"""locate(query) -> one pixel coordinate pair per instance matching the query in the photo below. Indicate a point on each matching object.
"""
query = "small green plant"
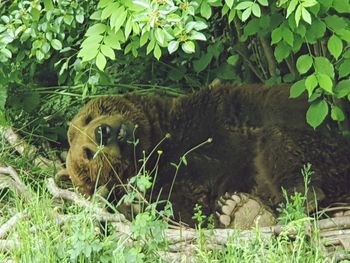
(183, 161)
(295, 206)
(86, 242)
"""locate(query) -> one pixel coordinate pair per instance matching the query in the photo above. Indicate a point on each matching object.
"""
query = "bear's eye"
(87, 120)
(88, 154)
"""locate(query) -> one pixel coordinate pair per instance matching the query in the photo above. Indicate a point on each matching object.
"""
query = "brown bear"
(258, 143)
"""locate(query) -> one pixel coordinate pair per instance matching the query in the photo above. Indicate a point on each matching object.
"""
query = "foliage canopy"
(82, 48)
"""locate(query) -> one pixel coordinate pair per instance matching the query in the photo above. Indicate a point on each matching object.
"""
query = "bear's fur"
(260, 142)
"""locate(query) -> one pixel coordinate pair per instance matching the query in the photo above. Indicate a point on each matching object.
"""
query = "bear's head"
(101, 138)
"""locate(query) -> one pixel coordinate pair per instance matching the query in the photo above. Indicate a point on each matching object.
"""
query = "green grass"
(84, 239)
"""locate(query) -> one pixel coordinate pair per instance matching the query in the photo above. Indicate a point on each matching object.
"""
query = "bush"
(83, 48)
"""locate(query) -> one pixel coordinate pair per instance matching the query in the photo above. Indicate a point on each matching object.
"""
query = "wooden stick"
(23, 147)
(101, 214)
(9, 178)
(10, 224)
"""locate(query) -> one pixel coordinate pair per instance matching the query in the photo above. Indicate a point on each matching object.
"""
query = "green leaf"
(205, 10)
(39, 55)
(344, 68)
(335, 46)
(150, 46)
(323, 65)
(92, 41)
(108, 52)
(291, 7)
(7, 53)
(335, 22)
(256, 10)
(157, 52)
(35, 13)
(232, 60)
(173, 46)
(246, 14)
(101, 61)
(342, 89)
(276, 35)
(142, 3)
(46, 47)
(337, 114)
(104, 3)
(297, 89)
(188, 47)
(231, 15)
(56, 44)
(96, 29)
(118, 18)
(325, 82)
(200, 25)
(96, 15)
(79, 18)
(202, 63)
(128, 27)
(347, 54)
(344, 34)
(341, 6)
(263, 2)
(297, 15)
(304, 63)
(311, 83)
(282, 51)
(48, 5)
(315, 31)
(159, 34)
(306, 15)
(88, 53)
(112, 42)
(136, 28)
(144, 38)
(244, 5)
(197, 36)
(108, 10)
(309, 3)
(316, 113)
(68, 19)
(287, 36)
(229, 3)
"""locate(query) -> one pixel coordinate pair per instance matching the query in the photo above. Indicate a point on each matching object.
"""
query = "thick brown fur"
(260, 143)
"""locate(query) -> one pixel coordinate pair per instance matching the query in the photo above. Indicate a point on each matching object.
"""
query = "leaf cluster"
(89, 47)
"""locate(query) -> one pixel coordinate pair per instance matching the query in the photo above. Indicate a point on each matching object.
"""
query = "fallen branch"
(10, 179)
(22, 147)
(10, 224)
(101, 214)
(8, 245)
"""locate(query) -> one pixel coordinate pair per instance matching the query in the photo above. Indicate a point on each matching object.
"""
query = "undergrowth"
(84, 239)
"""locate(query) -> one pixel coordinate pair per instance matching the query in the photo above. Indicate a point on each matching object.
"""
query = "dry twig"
(22, 147)
(10, 224)
(10, 179)
(102, 214)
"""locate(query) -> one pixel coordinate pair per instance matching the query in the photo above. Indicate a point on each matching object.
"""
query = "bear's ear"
(71, 133)
(62, 179)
